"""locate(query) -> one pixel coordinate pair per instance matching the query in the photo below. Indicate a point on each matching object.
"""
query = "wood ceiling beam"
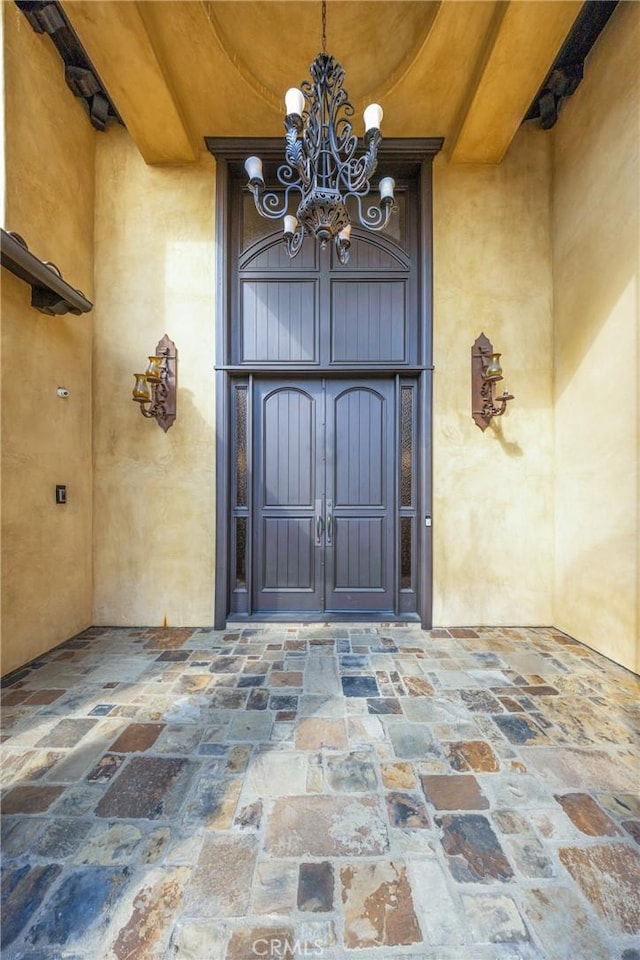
(117, 42)
(522, 44)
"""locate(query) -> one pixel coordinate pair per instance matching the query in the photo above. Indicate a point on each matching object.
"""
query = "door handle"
(329, 521)
(319, 523)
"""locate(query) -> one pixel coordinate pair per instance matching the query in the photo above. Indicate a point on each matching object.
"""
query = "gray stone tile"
(276, 773)
(275, 885)
(530, 857)
(254, 727)
(562, 924)
(319, 826)
(412, 740)
(494, 919)
(18, 833)
(438, 908)
(221, 882)
(61, 838)
(351, 773)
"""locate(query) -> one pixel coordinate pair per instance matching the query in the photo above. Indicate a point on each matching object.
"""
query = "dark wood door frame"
(412, 155)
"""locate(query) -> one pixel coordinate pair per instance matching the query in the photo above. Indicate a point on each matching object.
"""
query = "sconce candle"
(141, 390)
(493, 370)
(157, 387)
(155, 369)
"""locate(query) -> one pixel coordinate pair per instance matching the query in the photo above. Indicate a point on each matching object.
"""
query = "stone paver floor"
(342, 791)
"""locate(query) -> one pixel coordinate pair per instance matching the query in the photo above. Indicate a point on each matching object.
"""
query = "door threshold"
(302, 617)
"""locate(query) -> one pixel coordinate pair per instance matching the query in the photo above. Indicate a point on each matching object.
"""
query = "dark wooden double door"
(324, 497)
(323, 392)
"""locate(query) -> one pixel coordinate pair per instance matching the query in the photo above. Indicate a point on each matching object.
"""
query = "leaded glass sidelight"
(406, 524)
(407, 487)
(241, 445)
(406, 446)
(241, 553)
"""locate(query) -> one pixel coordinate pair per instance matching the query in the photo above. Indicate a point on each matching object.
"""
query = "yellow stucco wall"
(596, 248)
(46, 548)
(493, 506)
(153, 492)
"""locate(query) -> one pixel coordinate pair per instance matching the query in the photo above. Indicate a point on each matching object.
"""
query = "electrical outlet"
(61, 493)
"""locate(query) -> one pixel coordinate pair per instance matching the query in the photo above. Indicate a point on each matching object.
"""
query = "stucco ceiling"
(180, 70)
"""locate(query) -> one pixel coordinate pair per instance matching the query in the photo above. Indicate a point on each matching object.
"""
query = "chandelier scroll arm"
(357, 172)
(377, 216)
(271, 205)
(293, 241)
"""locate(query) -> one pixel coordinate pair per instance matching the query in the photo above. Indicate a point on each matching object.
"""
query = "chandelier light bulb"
(290, 224)
(387, 186)
(346, 233)
(372, 117)
(294, 102)
(253, 166)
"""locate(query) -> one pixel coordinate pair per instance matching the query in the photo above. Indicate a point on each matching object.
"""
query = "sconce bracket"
(164, 406)
(484, 403)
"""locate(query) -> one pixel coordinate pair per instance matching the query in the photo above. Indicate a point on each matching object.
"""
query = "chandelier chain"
(324, 26)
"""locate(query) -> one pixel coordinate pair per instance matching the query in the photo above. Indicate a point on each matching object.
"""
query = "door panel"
(278, 321)
(288, 569)
(288, 459)
(368, 321)
(359, 551)
(288, 553)
(360, 473)
(359, 442)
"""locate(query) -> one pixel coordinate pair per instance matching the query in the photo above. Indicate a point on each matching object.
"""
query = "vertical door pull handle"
(329, 521)
(319, 523)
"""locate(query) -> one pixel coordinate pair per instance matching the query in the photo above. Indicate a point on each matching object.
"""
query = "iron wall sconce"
(485, 373)
(157, 386)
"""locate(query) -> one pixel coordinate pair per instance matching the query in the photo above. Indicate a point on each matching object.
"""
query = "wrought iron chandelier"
(321, 163)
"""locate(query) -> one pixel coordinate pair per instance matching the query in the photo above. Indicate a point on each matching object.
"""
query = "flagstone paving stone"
(609, 877)
(339, 791)
(378, 907)
(472, 848)
(454, 792)
(588, 817)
